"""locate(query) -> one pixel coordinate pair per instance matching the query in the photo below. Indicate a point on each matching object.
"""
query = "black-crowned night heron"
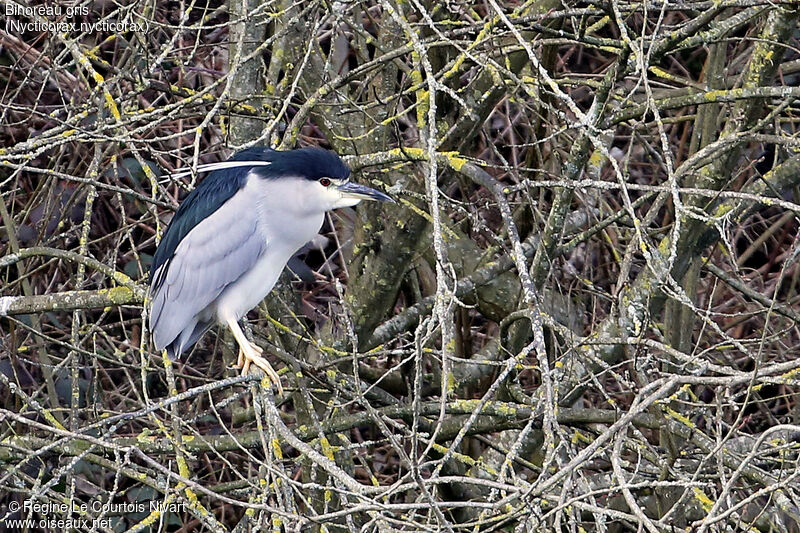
(233, 235)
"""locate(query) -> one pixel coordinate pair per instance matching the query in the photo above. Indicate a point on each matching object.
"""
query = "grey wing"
(214, 254)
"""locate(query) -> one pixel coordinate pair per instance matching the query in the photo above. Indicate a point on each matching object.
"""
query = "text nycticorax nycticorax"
(233, 235)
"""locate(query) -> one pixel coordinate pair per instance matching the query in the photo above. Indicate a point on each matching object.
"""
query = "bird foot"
(250, 354)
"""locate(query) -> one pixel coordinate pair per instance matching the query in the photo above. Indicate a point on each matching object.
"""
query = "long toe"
(239, 359)
(263, 364)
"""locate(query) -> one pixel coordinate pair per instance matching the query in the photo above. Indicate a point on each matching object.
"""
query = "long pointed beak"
(350, 189)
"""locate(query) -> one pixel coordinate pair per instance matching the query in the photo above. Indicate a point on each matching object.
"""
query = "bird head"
(331, 180)
(317, 177)
(307, 179)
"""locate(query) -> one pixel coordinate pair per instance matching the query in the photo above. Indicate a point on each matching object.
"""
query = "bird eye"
(325, 182)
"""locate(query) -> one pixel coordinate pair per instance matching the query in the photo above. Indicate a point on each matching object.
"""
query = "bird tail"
(187, 338)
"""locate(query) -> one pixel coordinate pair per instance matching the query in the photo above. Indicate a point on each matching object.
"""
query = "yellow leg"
(249, 354)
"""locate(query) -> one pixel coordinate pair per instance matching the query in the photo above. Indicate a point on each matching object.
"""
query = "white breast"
(286, 227)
